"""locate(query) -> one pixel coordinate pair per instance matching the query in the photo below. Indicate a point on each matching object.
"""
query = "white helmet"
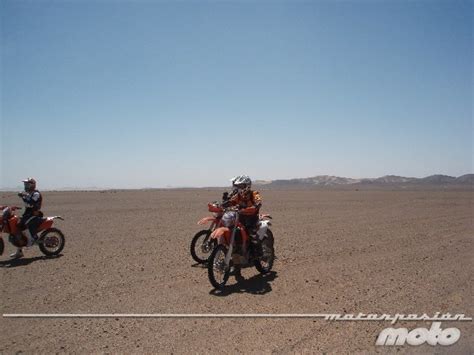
(241, 181)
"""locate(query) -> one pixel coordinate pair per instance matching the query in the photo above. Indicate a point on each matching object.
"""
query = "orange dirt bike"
(201, 244)
(233, 247)
(50, 240)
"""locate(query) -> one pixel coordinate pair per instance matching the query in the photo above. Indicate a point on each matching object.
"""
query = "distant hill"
(322, 180)
(393, 179)
(437, 179)
(383, 181)
(465, 179)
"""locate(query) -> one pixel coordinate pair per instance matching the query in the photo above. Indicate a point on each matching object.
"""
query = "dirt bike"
(50, 240)
(201, 244)
(235, 249)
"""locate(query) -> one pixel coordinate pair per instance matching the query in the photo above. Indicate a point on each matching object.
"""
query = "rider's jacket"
(33, 201)
(250, 203)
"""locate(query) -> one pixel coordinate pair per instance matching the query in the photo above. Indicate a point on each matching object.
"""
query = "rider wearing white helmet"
(32, 216)
(249, 202)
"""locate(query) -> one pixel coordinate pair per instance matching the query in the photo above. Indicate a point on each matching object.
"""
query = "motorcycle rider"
(249, 202)
(32, 216)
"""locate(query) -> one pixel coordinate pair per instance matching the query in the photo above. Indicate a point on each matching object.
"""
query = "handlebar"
(217, 207)
(13, 208)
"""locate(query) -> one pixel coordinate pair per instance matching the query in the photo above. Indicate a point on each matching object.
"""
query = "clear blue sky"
(140, 94)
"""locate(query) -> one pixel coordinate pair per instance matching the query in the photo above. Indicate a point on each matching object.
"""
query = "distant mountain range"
(387, 180)
(322, 181)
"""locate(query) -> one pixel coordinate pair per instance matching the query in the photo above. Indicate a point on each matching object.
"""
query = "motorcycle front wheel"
(51, 242)
(201, 246)
(218, 273)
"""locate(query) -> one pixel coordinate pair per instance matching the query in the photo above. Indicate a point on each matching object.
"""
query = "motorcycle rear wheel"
(51, 242)
(218, 274)
(264, 264)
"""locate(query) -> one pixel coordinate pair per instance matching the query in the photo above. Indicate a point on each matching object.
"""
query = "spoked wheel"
(265, 263)
(51, 242)
(218, 273)
(202, 246)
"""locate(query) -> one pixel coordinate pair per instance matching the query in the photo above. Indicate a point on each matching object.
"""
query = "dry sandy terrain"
(338, 252)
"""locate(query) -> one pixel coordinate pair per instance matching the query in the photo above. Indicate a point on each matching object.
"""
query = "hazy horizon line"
(170, 187)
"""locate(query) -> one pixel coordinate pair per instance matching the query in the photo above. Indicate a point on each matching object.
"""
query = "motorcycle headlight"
(228, 219)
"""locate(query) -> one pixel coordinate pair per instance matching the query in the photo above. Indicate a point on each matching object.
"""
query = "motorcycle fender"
(262, 229)
(48, 223)
(221, 234)
(206, 220)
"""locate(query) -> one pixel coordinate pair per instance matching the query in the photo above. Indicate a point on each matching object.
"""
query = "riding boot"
(31, 238)
(18, 254)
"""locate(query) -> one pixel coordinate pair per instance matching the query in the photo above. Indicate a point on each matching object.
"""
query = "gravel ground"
(337, 252)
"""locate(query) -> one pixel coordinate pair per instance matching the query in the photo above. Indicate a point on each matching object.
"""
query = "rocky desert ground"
(338, 251)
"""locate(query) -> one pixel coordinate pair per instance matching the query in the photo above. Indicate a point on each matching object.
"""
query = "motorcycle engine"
(18, 242)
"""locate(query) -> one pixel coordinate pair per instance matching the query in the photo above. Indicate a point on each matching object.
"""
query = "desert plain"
(338, 251)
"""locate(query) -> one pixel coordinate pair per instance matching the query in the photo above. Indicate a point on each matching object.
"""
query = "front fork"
(211, 229)
(228, 256)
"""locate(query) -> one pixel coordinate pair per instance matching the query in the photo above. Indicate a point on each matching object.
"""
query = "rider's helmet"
(30, 184)
(242, 183)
